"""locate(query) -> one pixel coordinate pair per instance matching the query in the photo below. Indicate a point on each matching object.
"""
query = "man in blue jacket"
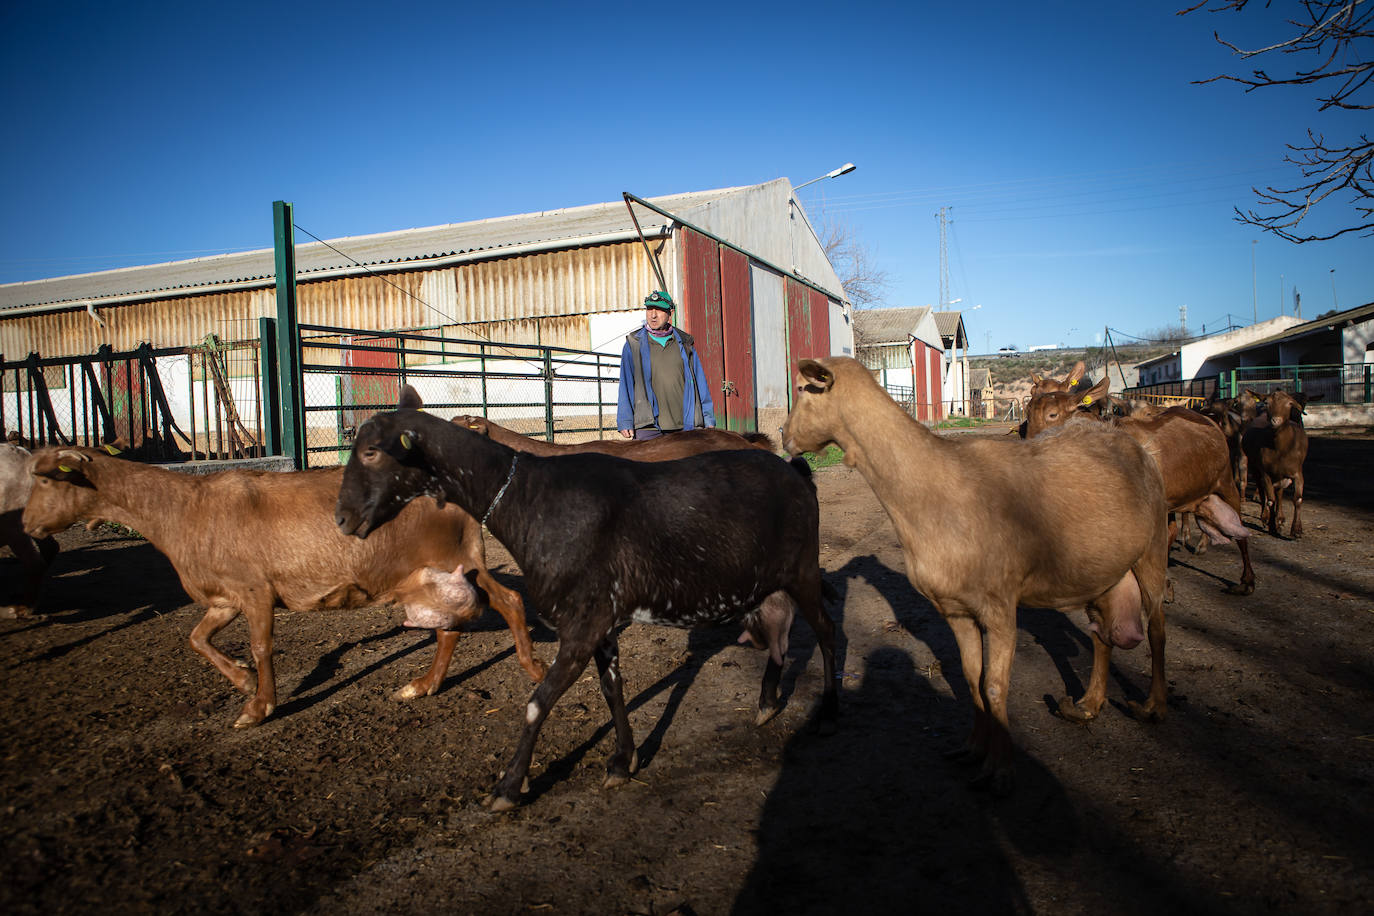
(662, 385)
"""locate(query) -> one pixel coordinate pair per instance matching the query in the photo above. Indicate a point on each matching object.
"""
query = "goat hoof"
(498, 803)
(1241, 588)
(412, 690)
(766, 713)
(1149, 711)
(1075, 712)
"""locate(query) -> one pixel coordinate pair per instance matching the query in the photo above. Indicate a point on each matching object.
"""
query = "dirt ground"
(125, 788)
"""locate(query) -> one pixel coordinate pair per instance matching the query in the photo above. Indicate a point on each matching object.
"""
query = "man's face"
(656, 319)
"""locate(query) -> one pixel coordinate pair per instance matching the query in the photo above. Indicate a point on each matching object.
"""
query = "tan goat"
(246, 542)
(1089, 531)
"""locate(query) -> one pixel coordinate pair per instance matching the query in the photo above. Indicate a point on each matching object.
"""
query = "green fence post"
(270, 421)
(292, 401)
(548, 394)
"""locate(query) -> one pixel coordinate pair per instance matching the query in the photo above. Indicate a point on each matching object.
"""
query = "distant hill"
(1011, 374)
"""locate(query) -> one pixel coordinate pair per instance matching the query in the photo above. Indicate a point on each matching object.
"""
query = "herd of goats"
(697, 528)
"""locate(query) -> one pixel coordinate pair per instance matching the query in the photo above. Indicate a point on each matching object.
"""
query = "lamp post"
(792, 203)
(833, 173)
(1333, 290)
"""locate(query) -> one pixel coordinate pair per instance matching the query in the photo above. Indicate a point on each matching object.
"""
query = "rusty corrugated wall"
(531, 298)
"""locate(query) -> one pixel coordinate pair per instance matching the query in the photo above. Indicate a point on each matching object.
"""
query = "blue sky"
(1090, 183)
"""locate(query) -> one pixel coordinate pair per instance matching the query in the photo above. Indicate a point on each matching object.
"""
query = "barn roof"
(563, 227)
(886, 327)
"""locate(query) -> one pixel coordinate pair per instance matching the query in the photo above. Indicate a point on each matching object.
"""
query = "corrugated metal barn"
(750, 275)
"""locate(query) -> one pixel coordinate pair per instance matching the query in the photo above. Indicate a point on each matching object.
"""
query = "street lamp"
(833, 173)
(1333, 290)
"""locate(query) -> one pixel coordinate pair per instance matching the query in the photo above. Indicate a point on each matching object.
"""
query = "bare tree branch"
(1339, 34)
(863, 283)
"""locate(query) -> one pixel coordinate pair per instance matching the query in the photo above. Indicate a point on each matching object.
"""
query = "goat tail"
(801, 467)
(762, 440)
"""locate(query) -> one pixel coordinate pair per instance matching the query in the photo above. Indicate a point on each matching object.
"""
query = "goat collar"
(501, 492)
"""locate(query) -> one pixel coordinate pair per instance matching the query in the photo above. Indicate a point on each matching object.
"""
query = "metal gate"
(551, 393)
(174, 404)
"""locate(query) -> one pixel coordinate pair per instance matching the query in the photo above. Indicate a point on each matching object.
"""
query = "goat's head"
(1282, 407)
(812, 422)
(64, 489)
(386, 469)
(1058, 407)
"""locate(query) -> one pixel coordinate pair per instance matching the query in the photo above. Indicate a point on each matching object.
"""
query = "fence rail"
(1334, 383)
(178, 403)
(553, 393)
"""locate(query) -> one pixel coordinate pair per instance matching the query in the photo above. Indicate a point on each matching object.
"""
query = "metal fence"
(1330, 384)
(177, 404)
(1334, 383)
(552, 393)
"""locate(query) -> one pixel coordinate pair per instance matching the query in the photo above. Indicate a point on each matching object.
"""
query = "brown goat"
(245, 542)
(33, 555)
(1275, 451)
(661, 448)
(1192, 457)
(978, 542)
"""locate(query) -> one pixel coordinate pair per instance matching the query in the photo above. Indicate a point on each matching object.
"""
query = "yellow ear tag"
(64, 469)
(1087, 399)
(406, 441)
(1073, 384)
(112, 450)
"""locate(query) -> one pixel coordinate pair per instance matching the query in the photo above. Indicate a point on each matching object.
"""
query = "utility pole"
(1280, 294)
(943, 217)
(1254, 289)
(1333, 290)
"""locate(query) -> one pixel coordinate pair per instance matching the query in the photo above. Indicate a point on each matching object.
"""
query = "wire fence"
(552, 393)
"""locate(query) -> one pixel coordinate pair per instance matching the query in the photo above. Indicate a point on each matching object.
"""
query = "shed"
(902, 347)
(753, 282)
(954, 338)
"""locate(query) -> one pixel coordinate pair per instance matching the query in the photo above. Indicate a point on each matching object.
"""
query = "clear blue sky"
(1090, 182)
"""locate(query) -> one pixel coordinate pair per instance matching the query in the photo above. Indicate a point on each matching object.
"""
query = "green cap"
(658, 299)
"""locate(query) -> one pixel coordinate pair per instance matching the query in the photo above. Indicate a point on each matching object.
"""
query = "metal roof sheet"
(568, 225)
(877, 327)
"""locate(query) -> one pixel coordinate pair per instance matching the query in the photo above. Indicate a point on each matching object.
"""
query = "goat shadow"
(879, 821)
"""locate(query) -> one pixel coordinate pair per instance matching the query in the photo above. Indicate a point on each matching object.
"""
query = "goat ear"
(1077, 374)
(818, 378)
(1097, 392)
(410, 399)
(62, 465)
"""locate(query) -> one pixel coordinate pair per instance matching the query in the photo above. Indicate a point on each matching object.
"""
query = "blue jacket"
(695, 390)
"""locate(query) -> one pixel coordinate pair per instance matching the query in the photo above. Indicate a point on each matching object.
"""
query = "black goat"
(604, 541)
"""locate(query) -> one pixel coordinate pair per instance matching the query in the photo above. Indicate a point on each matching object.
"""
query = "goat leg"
(1157, 704)
(1084, 710)
(512, 609)
(1296, 530)
(262, 703)
(625, 760)
(217, 616)
(996, 774)
(573, 655)
(969, 638)
(445, 641)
